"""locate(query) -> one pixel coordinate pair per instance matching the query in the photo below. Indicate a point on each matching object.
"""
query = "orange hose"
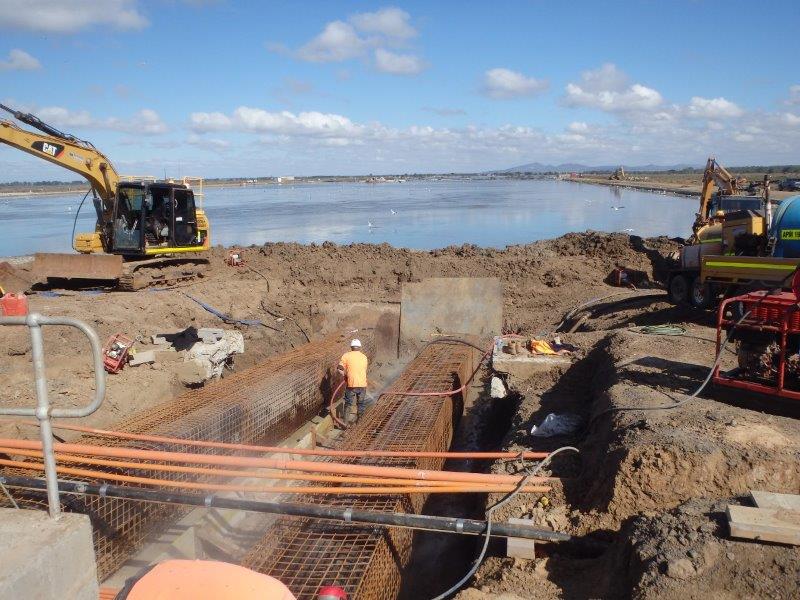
(220, 472)
(336, 491)
(283, 465)
(300, 451)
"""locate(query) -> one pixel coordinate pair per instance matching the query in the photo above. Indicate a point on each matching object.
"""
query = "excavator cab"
(155, 218)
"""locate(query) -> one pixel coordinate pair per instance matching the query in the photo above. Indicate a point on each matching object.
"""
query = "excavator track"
(158, 272)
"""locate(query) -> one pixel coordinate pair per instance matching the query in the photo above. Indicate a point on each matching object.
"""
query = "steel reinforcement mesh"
(368, 561)
(260, 405)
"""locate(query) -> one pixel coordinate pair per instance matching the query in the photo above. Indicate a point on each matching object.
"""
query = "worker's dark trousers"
(357, 395)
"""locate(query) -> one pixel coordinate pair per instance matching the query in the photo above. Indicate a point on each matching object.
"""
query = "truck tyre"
(678, 289)
(700, 294)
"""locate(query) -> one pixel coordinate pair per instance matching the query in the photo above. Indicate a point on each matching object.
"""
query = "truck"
(739, 242)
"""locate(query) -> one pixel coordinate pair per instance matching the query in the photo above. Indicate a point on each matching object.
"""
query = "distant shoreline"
(645, 186)
(677, 189)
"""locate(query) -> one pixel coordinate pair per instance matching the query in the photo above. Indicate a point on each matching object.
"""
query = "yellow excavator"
(147, 232)
(729, 223)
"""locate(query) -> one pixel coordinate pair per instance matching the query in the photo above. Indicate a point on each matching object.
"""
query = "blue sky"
(246, 88)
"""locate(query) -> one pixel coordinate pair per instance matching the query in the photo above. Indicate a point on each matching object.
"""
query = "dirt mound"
(685, 553)
(652, 483)
(295, 291)
(646, 459)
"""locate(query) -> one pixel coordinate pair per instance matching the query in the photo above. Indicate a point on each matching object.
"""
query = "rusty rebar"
(306, 554)
(260, 405)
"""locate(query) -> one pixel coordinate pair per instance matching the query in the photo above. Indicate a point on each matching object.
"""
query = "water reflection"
(420, 215)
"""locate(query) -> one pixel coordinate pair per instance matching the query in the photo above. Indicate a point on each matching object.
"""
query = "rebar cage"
(260, 405)
(368, 561)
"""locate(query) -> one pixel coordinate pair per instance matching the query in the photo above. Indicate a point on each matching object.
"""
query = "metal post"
(43, 415)
(43, 412)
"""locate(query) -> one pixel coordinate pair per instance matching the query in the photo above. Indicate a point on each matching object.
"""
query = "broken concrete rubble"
(211, 358)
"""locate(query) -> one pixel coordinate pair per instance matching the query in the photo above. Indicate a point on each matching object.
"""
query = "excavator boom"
(714, 176)
(140, 224)
(63, 150)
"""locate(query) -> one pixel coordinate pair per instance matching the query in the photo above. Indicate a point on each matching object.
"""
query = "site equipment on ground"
(767, 336)
(146, 231)
(736, 245)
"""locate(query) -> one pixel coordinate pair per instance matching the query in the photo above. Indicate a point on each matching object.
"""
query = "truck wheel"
(700, 294)
(678, 289)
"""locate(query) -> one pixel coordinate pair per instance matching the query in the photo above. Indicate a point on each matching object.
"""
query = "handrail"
(43, 412)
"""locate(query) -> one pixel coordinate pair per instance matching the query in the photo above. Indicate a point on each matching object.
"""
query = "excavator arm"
(714, 176)
(63, 150)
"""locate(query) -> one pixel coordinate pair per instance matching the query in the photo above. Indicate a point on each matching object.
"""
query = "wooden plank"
(773, 500)
(764, 524)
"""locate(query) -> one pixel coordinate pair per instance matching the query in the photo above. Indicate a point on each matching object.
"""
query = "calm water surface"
(421, 215)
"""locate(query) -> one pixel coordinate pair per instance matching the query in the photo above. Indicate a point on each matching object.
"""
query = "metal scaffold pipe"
(316, 511)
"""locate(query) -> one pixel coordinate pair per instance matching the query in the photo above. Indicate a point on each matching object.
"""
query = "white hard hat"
(355, 343)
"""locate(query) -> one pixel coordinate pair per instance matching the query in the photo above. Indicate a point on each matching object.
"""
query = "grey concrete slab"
(43, 559)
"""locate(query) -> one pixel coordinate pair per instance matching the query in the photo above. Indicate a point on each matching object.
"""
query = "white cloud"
(144, 122)
(606, 88)
(390, 22)
(791, 119)
(256, 120)
(337, 42)
(503, 83)
(214, 121)
(636, 97)
(794, 94)
(359, 35)
(578, 127)
(607, 77)
(58, 16)
(19, 60)
(397, 64)
(713, 108)
(208, 143)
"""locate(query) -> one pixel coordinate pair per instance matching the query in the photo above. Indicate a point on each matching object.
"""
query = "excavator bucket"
(106, 267)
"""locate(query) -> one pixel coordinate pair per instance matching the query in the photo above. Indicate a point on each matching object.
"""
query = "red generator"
(767, 343)
(115, 352)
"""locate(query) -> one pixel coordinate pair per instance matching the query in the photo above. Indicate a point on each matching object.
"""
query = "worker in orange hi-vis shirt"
(202, 580)
(353, 366)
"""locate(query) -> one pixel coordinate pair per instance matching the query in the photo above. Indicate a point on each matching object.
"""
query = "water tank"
(786, 228)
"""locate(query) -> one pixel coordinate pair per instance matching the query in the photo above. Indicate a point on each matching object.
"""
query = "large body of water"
(420, 215)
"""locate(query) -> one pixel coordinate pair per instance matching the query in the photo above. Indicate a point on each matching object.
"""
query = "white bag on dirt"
(498, 388)
(554, 424)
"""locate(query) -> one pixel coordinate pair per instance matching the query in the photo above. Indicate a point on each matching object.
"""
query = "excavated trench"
(439, 560)
(640, 472)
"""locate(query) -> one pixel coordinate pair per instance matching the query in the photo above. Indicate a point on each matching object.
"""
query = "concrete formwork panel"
(449, 305)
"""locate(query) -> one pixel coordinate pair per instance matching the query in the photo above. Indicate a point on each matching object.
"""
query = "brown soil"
(316, 288)
(652, 485)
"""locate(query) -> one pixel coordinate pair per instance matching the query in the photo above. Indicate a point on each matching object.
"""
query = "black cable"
(714, 366)
(574, 311)
(489, 511)
(454, 341)
(75, 222)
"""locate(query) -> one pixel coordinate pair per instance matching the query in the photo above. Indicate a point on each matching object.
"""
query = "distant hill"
(579, 168)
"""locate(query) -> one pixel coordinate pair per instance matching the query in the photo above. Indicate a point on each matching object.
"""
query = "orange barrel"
(14, 305)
